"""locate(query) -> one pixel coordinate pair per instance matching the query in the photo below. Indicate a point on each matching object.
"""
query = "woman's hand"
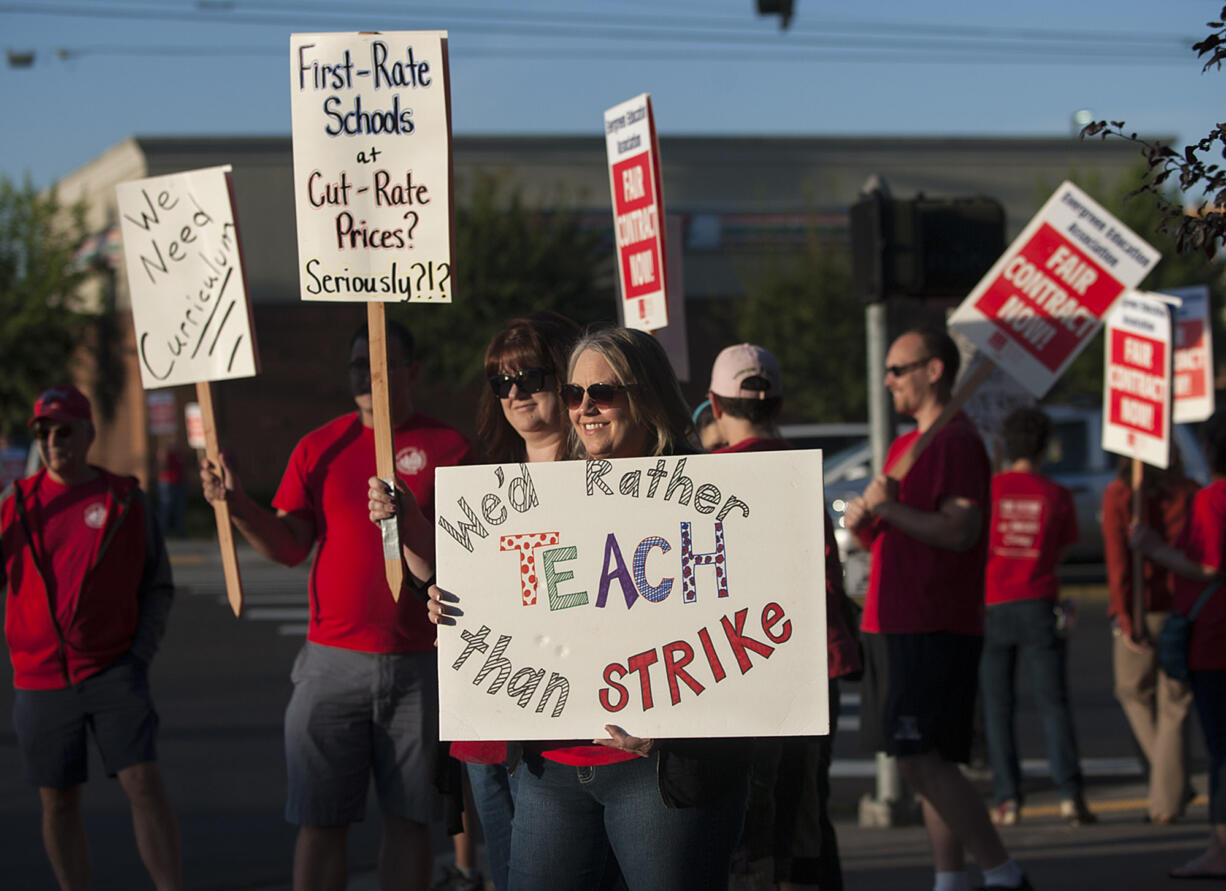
(1143, 539)
(620, 739)
(383, 502)
(443, 606)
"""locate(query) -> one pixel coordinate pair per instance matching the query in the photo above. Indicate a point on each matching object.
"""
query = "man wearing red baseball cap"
(89, 591)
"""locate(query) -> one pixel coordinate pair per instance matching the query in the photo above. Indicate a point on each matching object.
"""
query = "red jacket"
(1165, 510)
(123, 600)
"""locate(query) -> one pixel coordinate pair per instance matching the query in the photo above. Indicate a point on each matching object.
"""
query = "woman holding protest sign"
(669, 810)
(1198, 562)
(520, 417)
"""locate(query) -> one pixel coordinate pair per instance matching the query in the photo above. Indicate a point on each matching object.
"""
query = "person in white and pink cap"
(792, 775)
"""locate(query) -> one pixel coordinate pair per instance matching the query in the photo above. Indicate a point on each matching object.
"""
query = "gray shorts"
(51, 725)
(357, 715)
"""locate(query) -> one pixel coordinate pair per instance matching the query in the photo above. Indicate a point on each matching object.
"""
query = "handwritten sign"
(1044, 299)
(1194, 390)
(673, 596)
(1137, 380)
(638, 212)
(185, 277)
(372, 166)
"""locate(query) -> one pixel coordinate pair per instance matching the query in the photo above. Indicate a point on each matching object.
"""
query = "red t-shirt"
(326, 480)
(917, 588)
(67, 523)
(1204, 541)
(1165, 509)
(1033, 521)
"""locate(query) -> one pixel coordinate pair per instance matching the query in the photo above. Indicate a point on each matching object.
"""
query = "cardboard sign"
(1137, 380)
(1044, 299)
(185, 277)
(672, 596)
(638, 212)
(372, 166)
(193, 420)
(1194, 390)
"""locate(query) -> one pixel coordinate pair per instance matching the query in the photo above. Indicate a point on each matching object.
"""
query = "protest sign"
(672, 596)
(1136, 380)
(372, 166)
(1044, 299)
(189, 302)
(1194, 390)
(185, 278)
(638, 212)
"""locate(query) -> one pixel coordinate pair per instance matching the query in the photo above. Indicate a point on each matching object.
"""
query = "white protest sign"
(1044, 299)
(1194, 390)
(185, 277)
(372, 166)
(1137, 380)
(674, 597)
(638, 212)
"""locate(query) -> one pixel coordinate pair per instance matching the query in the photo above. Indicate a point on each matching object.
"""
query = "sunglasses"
(900, 370)
(527, 380)
(601, 394)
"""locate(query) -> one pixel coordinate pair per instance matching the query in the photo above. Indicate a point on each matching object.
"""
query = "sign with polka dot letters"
(674, 596)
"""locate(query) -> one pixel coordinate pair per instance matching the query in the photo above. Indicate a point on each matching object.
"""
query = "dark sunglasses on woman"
(528, 380)
(601, 394)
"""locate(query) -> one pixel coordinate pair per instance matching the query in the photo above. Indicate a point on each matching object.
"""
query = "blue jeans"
(494, 795)
(1027, 628)
(1209, 694)
(568, 818)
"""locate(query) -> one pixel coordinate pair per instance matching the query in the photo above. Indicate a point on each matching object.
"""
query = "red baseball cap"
(61, 403)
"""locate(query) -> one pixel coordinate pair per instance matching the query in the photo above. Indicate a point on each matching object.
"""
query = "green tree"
(510, 259)
(803, 312)
(39, 329)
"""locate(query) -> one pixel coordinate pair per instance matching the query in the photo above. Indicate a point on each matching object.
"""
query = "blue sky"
(103, 71)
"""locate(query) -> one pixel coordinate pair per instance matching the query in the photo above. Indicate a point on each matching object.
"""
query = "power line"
(895, 41)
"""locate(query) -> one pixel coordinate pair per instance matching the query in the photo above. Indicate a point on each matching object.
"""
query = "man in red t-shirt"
(89, 590)
(1033, 525)
(923, 615)
(365, 684)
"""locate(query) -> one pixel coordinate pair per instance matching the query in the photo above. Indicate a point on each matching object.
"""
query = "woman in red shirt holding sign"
(1199, 558)
(1033, 523)
(669, 810)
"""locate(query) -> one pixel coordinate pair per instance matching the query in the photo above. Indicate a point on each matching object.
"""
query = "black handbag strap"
(1205, 595)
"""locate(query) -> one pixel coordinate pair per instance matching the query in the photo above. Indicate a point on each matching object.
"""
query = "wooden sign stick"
(385, 453)
(979, 372)
(225, 531)
(1138, 561)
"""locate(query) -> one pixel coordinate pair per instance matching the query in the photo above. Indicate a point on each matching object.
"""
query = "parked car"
(1075, 458)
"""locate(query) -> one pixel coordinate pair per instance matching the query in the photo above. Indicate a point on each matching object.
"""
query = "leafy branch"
(1201, 224)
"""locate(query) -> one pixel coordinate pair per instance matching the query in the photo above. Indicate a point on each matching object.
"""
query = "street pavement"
(222, 684)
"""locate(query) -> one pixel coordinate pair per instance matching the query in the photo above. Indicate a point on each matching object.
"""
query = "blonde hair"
(654, 396)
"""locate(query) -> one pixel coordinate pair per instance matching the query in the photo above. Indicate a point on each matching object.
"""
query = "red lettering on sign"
(1049, 297)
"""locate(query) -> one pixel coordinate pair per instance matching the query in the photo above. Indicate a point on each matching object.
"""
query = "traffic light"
(781, 8)
(923, 247)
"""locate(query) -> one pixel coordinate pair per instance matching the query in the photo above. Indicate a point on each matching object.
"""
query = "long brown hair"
(538, 340)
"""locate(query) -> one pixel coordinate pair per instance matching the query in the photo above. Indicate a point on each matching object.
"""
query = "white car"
(1075, 459)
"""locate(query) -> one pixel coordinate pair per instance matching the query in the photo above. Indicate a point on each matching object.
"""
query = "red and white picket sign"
(1193, 355)
(1137, 380)
(1044, 299)
(638, 212)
